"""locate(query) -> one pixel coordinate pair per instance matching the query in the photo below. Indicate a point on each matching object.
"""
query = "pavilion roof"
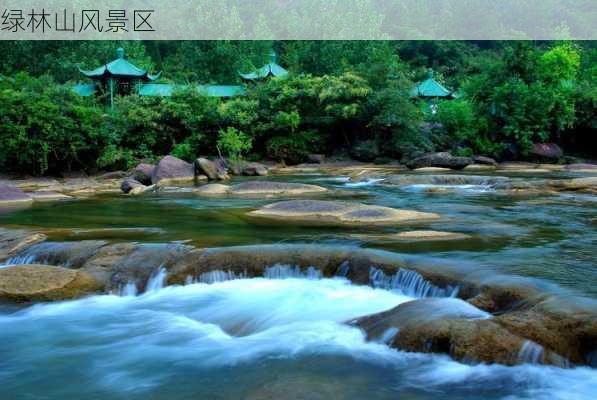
(431, 88)
(270, 69)
(120, 68)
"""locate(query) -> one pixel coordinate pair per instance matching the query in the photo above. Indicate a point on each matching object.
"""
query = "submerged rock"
(430, 236)
(339, 212)
(213, 189)
(23, 283)
(441, 160)
(171, 170)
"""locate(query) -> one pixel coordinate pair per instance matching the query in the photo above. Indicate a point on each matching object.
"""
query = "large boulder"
(549, 151)
(143, 173)
(213, 170)
(339, 213)
(172, 170)
(23, 283)
(454, 327)
(10, 195)
(439, 160)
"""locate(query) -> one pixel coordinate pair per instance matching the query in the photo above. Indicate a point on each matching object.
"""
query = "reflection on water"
(544, 236)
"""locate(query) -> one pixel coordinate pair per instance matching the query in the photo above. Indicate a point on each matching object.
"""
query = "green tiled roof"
(120, 68)
(164, 89)
(269, 69)
(431, 88)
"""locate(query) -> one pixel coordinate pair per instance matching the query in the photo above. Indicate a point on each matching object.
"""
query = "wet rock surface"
(499, 317)
(15, 241)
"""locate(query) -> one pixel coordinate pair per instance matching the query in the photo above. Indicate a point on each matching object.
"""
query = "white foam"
(131, 345)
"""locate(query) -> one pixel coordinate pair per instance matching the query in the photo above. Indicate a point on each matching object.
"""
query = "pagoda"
(118, 76)
(432, 89)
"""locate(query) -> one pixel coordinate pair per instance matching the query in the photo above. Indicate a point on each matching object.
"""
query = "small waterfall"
(157, 281)
(219, 276)
(531, 353)
(279, 271)
(24, 259)
(409, 282)
(130, 289)
(388, 335)
(343, 269)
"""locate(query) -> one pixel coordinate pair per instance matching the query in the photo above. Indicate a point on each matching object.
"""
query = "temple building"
(120, 77)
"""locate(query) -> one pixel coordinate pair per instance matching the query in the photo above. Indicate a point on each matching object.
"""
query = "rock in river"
(22, 283)
(10, 195)
(441, 160)
(143, 173)
(339, 212)
(213, 170)
(260, 189)
(172, 170)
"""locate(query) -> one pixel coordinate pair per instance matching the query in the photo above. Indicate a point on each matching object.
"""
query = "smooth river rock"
(340, 212)
(260, 189)
(11, 195)
(23, 283)
(171, 170)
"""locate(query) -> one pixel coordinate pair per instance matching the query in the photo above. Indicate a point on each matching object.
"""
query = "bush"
(233, 143)
(45, 127)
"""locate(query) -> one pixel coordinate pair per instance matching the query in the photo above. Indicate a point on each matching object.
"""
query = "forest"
(341, 98)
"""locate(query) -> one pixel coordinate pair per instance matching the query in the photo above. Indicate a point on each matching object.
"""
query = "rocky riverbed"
(487, 269)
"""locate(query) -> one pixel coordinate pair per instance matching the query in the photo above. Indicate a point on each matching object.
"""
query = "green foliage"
(527, 96)
(46, 127)
(340, 96)
(294, 148)
(234, 143)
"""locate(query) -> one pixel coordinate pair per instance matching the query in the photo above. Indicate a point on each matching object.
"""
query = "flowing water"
(223, 336)
(244, 339)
